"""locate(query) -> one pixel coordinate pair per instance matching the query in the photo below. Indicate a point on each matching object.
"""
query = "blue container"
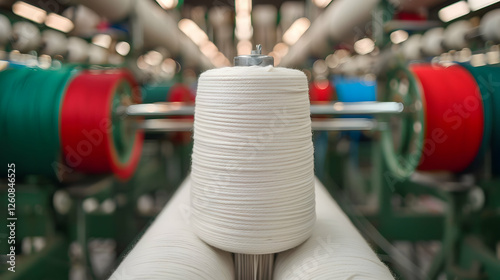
(354, 89)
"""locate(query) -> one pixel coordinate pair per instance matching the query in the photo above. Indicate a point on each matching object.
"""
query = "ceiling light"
(220, 60)
(169, 65)
(60, 23)
(276, 57)
(321, 3)
(454, 11)
(102, 40)
(332, 61)
(243, 6)
(122, 48)
(364, 46)
(244, 47)
(28, 11)
(193, 31)
(168, 4)
(209, 49)
(399, 36)
(296, 30)
(281, 49)
(153, 58)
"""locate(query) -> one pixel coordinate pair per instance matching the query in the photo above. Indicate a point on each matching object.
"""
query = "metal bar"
(357, 108)
(161, 126)
(161, 109)
(346, 125)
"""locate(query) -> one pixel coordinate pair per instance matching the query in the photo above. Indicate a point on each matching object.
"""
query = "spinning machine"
(361, 140)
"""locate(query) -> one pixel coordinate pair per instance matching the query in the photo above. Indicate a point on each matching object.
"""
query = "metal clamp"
(254, 59)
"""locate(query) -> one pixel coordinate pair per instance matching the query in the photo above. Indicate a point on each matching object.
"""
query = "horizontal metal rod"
(162, 109)
(166, 125)
(357, 108)
(158, 109)
(161, 126)
(347, 125)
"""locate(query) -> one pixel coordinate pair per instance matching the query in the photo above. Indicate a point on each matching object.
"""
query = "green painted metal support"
(52, 263)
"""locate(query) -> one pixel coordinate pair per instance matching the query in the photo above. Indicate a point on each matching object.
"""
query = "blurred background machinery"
(405, 105)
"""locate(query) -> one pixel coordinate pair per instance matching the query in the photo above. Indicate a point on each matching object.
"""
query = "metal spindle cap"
(256, 58)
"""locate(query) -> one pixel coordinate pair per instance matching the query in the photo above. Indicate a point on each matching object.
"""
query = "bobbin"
(412, 141)
(275, 209)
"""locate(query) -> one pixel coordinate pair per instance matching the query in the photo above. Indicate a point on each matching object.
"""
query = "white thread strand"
(335, 250)
(170, 250)
(253, 266)
(252, 163)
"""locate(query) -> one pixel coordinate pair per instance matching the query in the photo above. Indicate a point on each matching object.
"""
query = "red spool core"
(181, 93)
(321, 91)
(90, 132)
(454, 117)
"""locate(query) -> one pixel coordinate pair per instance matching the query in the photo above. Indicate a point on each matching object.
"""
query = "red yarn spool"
(454, 117)
(94, 139)
(181, 93)
(321, 91)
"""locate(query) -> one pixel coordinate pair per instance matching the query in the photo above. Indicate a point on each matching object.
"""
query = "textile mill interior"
(282, 139)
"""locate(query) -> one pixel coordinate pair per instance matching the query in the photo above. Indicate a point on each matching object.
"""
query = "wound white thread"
(411, 48)
(252, 164)
(170, 250)
(455, 33)
(5, 30)
(432, 41)
(27, 36)
(335, 250)
(489, 26)
(54, 42)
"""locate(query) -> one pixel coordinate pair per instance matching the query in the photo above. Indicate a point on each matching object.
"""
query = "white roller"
(159, 28)
(432, 41)
(54, 43)
(252, 162)
(411, 48)
(489, 27)
(191, 53)
(342, 15)
(335, 250)
(5, 30)
(454, 34)
(98, 55)
(26, 36)
(336, 22)
(170, 250)
(78, 50)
